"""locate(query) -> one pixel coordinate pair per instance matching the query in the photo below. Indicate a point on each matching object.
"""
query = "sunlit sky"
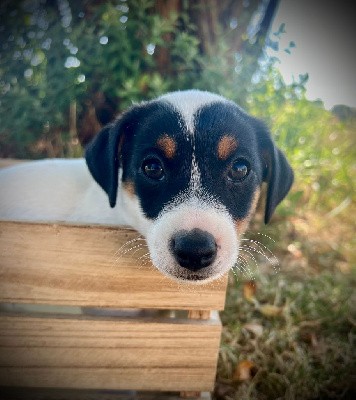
(325, 36)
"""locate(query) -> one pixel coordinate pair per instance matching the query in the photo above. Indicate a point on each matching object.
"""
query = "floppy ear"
(102, 159)
(279, 179)
(103, 153)
(278, 173)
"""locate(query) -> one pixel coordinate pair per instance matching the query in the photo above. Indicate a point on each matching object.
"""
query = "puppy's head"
(186, 169)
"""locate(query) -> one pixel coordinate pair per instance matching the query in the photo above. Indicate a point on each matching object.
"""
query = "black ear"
(278, 173)
(106, 151)
(103, 153)
(102, 157)
(279, 179)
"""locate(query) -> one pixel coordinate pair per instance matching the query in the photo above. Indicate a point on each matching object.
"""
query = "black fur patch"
(211, 124)
(135, 136)
(157, 120)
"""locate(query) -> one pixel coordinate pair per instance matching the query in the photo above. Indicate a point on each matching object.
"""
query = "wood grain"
(108, 353)
(59, 264)
(195, 315)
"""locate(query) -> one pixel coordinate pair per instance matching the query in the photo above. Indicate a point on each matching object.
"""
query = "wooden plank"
(79, 266)
(108, 353)
(73, 394)
(195, 315)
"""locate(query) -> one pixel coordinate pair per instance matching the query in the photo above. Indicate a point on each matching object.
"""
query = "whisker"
(131, 246)
(144, 260)
(257, 251)
(128, 243)
(243, 266)
(245, 272)
(264, 251)
(268, 237)
(136, 248)
(250, 254)
(261, 246)
(139, 248)
(146, 255)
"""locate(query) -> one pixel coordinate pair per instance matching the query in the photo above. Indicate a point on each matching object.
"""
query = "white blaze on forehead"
(188, 102)
(195, 176)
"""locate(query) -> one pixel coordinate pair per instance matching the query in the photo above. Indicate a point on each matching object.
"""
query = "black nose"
(194, 250)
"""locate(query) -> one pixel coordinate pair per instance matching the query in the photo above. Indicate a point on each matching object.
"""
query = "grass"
(290, 334)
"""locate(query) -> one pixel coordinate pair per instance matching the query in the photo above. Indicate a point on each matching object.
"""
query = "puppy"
(185, 170)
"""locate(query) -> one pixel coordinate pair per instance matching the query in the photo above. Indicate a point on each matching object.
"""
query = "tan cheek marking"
(242, 224)
(129, 188)
(167, 145)
(226, 146)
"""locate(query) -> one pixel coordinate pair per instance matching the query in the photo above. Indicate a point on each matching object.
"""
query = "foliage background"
(66, 68)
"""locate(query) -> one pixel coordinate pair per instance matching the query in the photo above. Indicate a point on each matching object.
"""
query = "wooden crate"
(66, 297)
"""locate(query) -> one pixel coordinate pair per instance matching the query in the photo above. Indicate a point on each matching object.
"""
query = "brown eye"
(153, 169)
(239, 169)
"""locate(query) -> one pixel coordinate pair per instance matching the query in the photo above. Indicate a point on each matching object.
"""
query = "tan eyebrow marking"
(167, 145)
(226, 146)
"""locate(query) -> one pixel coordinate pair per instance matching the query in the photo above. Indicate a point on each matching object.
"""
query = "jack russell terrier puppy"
(185, 170)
